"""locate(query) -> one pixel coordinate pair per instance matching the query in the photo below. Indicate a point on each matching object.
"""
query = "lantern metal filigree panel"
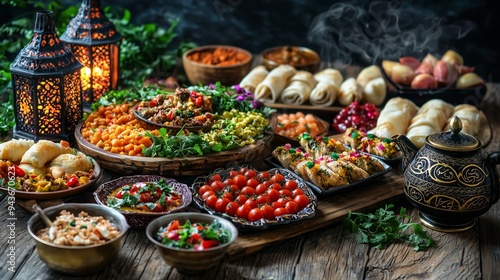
(94, 41)
(47, 86)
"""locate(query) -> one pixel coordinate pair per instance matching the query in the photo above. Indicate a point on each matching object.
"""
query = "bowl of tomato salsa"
(143, 198)
(191, 242)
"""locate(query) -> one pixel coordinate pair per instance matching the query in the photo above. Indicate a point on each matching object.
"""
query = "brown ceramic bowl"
(140, 220)
(78, 260)
(205, 74)
(185, 260)
(273, 57)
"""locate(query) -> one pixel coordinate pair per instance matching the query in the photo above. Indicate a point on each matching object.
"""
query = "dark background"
(349, 32)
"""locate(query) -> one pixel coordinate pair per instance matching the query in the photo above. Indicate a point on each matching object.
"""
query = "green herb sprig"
(383, 227)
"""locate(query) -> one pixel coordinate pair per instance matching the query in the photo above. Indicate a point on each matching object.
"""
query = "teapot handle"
(493, 159)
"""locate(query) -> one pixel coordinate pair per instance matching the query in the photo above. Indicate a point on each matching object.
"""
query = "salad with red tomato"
(251, 195)
(157, 196)
(195, 236)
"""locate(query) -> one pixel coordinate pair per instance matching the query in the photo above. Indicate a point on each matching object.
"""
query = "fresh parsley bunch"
(383, 227)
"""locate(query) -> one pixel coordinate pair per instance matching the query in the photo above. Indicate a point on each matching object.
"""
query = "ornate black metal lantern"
(94, 41)
(47, 86)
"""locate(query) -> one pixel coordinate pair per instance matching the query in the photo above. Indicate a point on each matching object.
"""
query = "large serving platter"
(58, 194)
(185, 166)
(244, 225)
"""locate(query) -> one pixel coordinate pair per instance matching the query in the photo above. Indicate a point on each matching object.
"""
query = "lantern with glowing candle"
(47, 86)
(94, 41)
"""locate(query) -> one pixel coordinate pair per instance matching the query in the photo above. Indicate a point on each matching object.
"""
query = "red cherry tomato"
(220, 204)
(240, 199)
(273, 194)
(278, 178)
(231, 208)
(250, 173)
(242, 211)
(277, 205)
(204, 188)
(297, 191)
(277, 186)
(217, 186)
(255, 215)
(262, 199)
(252, 183)
(207, 194)
(260, 189)
(291, 185)
(280, 212)
(229, 182)
(211, 201)
(301, 200)
(119, 194)
(264, 174)
(249, 191)
(227, 195)
(285, 193)
(267, 212)
(292, 207)
(240, 180)
(251, 203)
(242, 170)
(233, 173)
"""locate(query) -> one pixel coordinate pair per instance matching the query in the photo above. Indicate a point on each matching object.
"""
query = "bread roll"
(470, 117)
(375, 91)
(395, 117)
(299, 88)
(329, 75)
(326, 91)
(14, 149)
(72, 163)
(270, 88)
(367, 74)
(350, 91)
(43, 152)
(254, 78)
(430, 119)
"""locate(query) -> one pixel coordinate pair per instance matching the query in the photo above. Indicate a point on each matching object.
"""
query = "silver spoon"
(46, 220)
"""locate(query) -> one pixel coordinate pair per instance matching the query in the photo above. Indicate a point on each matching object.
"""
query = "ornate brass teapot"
(451, 179)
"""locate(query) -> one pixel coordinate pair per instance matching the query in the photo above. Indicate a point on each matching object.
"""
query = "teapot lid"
(453, 140)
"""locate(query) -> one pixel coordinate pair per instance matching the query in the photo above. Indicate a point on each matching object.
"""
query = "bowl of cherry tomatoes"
(253, 199)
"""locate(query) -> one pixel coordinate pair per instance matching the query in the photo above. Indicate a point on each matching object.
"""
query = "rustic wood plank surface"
(329, 252)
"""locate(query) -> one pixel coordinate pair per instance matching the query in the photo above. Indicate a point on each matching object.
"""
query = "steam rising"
(382, 31)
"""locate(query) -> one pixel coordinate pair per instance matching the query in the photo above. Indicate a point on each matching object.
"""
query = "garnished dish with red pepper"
(44, 166)
(184, 107)
(193, 236)
(370, 143)
(157, 196)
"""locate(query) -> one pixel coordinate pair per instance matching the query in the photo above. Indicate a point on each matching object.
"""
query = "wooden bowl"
(206, 74)
(182, 166)
(312, 58)
(150, 125)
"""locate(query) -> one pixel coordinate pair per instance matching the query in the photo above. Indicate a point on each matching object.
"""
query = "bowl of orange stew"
(143, 198)
(299, 57)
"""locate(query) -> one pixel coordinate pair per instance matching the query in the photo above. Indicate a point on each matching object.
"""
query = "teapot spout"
(408, 149)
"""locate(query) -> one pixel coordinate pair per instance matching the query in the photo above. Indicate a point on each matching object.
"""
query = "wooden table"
(326, 253)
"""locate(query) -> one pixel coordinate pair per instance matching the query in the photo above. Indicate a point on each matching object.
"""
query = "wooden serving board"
(333, 209)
